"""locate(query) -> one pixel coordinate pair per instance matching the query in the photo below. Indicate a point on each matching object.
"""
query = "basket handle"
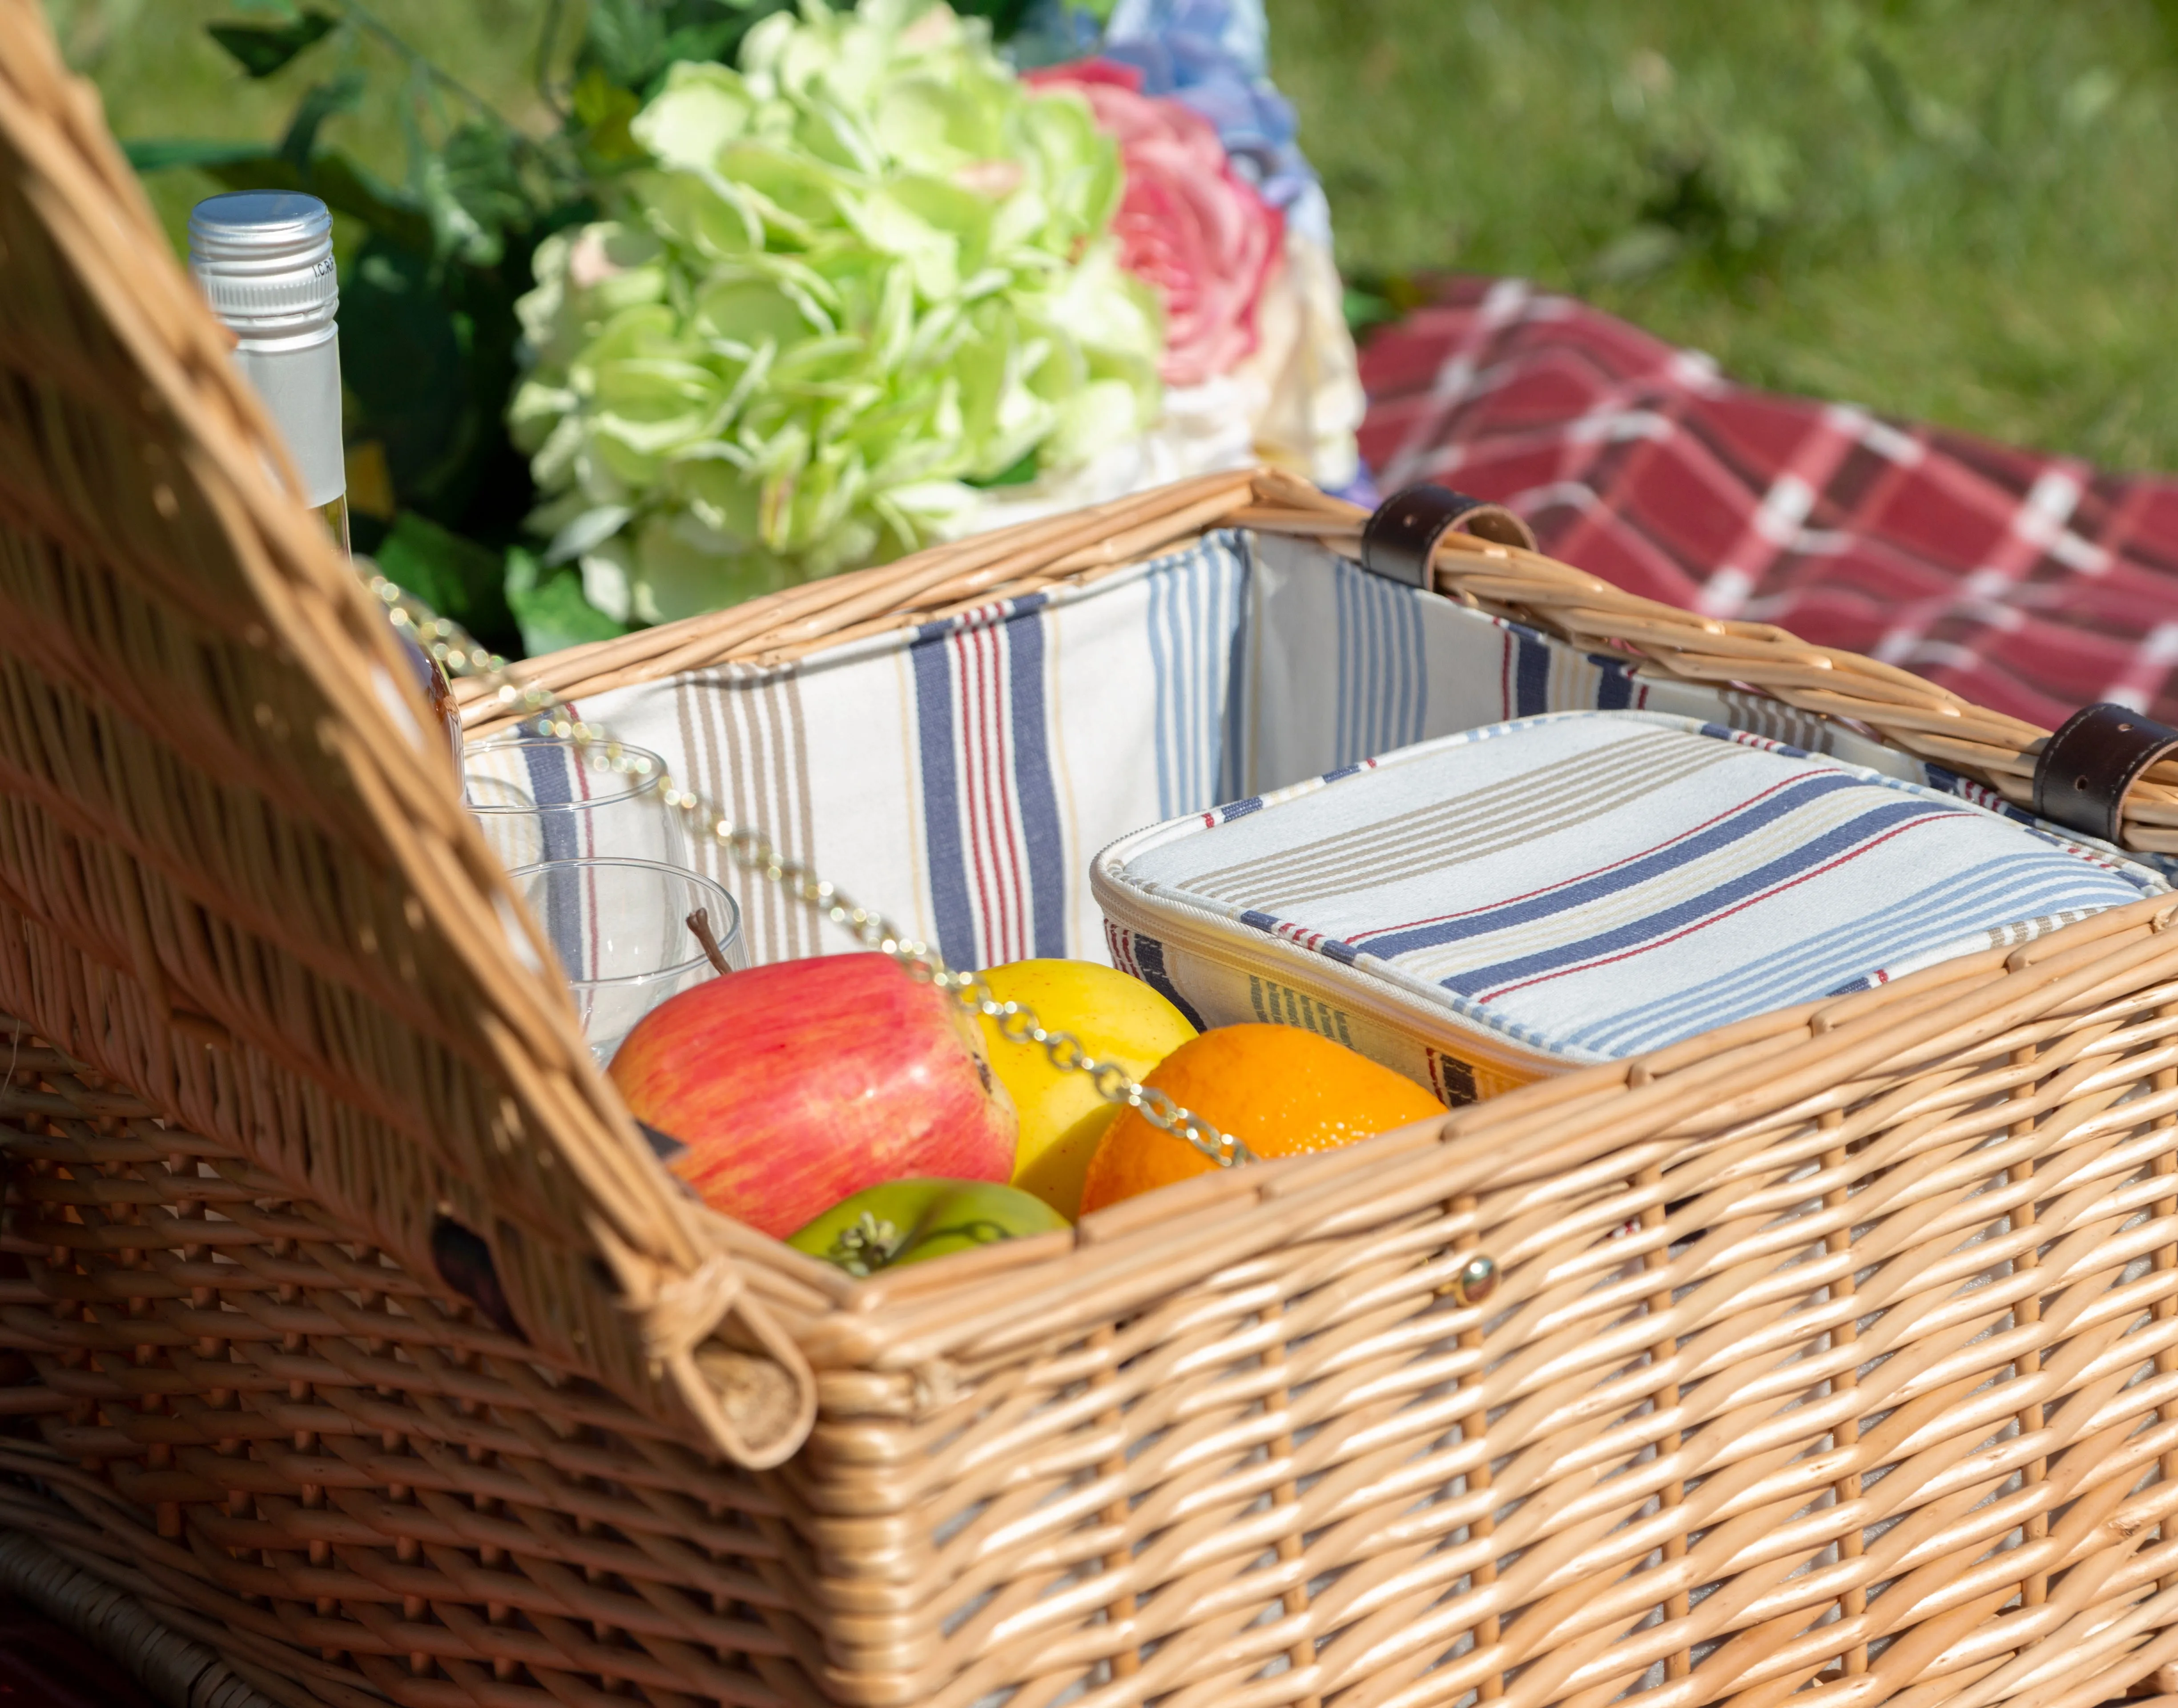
(2084, 771)
(1399, 541)
(711, 1340)
(758, 1406)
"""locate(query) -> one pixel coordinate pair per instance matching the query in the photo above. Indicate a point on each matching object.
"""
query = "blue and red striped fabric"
(989, 810)
(963, 774)
(1593, 884)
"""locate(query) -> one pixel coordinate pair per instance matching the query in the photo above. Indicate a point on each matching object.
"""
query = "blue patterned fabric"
(1195, 630)
(1383, 674)
(963, 774)
(989, 811)
(1590, 885)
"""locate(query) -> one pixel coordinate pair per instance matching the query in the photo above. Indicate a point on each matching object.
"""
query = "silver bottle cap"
(264, 259)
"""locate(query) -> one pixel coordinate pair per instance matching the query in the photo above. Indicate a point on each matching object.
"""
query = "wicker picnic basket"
(1833, 1353)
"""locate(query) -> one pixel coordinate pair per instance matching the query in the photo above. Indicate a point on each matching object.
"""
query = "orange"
(1283, 1091)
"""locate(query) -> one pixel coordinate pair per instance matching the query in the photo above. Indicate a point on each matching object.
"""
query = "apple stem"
(699, 927)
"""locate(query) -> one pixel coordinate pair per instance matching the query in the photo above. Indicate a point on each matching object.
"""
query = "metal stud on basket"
(1477, 1279)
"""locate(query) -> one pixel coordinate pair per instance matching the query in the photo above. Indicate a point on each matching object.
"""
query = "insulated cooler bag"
(1481, 910)
(349, 1330)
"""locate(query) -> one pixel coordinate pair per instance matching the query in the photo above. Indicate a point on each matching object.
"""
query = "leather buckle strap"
(2087, 768)
(1399, 541)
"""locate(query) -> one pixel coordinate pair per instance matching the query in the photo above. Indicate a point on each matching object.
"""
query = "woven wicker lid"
(313, 958)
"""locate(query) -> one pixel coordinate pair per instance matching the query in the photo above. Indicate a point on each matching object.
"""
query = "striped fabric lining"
(1596, 884)
(741, 737)
(959, 775)
(1919, 931)
(557, 779)
(1944, 781)
(1452, 832)
(1197, 637)
(1143, 958)
(1382, 697)
(990, 814)
(1779, 837)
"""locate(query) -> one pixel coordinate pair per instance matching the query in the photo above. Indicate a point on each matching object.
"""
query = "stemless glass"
(541, 799)
(622, 931)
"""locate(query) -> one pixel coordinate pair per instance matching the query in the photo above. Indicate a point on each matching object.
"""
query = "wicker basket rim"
(1891, 704)
(1779, 1068)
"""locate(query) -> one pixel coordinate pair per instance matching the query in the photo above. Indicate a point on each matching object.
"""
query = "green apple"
(913, 1221)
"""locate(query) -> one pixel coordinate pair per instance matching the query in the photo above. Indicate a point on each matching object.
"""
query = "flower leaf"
(334, 177)
(454, 576)
(320, 102)
(401, 362)
(626, 39)
(166, 153)
(261, 49)
(549, 607)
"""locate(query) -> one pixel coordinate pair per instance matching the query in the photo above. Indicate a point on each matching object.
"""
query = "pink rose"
(1187, 225)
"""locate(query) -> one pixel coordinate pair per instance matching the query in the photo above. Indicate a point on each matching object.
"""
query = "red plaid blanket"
(2033, 585)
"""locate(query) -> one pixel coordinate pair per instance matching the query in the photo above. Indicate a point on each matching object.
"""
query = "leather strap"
(2086, 768)
(1400, 539)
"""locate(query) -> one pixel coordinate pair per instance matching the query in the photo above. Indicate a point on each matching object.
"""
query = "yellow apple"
(1117, 1019)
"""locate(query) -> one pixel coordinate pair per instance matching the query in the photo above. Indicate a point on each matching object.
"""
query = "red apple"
(799, 1084)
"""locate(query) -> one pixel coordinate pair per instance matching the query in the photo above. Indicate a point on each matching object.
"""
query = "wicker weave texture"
(284, 1444)
(172, 1668)
(231, 873)
(1841, 1353)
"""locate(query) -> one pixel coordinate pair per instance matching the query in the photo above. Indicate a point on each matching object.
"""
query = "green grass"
(1961, 210)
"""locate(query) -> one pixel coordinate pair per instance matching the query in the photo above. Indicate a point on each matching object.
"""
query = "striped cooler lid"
(1589, 885)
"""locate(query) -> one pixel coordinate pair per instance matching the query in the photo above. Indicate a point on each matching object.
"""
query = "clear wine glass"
(541, 799)
(629, 934)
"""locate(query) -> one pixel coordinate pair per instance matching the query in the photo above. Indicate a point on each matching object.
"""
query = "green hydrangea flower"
(862, 275)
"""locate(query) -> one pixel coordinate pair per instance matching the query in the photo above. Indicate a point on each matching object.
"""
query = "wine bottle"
(264, 259)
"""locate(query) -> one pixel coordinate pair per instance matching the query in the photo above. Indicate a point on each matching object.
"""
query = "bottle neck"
(336, 519)
(298, 375)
